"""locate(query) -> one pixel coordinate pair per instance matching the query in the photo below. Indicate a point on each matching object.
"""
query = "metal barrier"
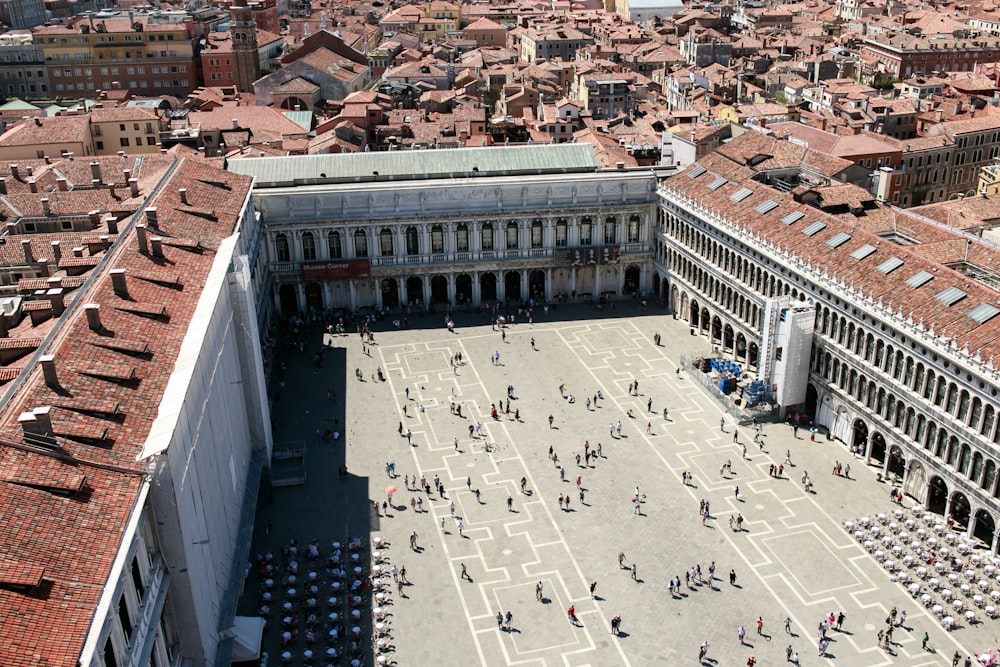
(743, 417)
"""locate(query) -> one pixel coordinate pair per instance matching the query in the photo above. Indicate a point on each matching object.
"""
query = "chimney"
(55, 297)
(140, 234)
(157, 243)
(31, 170)
(105, 242)
(29, 257)
(45, 205)
(78, 251)
(236, 124)
(3, 326)
(49, 370)
(13, 172)
(95, 171)
(94, 218)
(93, 311)
(43, 267)
(118, 282)
(112, 224)
(184, 195)
(56, 252)
(128, 174)
(36, 422)
(3, 185)
(133, 185)
(62, 185)
(151, 216)
(32, 185)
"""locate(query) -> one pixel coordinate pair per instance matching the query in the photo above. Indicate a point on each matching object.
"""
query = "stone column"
(351, 288)
(996, 543)
(378, 292)
(572, 281)
(972, 522)
(475, 236)
(597, 282)
(525, 287)
(327, 288)
(451, 289)
(300, 296)
(476, 295)
(401, 291)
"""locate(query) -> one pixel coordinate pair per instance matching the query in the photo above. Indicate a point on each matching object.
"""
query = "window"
(437, 239)
(537, 232)
(123, 141)
(100, 145)
(586, 231)
(562, 228)
(412, 241)
(610, 230)
(633, 229)
(97, 130)
(334, 246)
(486, 236)
(281, 248)
(511, 237)
(140, 588)
(150, 141)
(360, 244)
(308, 246)
(462, 237)
(385, 242)
(125, 618)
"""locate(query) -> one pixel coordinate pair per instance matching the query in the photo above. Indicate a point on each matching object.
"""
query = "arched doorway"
(985, 527)
(728, 339)
(878, 448)
(488, 287)
(463, 288)
(314, 297)
(716, 336)
(859, 441)
(705, 320)
(937, 495)
(753, 352)
(390, 293)
(960, 509)
(512, 286)
(916, 480)
(289, 299)
(536, 284)
(897, 464)
(741, 347)
(695, 315)
(812, 400)
(631, 279)
(656, 285)
(415, 290)
(439, 289)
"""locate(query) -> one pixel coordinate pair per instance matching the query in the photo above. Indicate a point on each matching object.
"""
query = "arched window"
(437, 239)
(360, 243)
(610, 230)
(412, 241)
(385, 242)
(462, 237)
(586, 231)
(333, 245)
(511, 238)
(634, 227)
(486, 236)
(281, 248)
(562, 231)
(308, 246)
(537, 233)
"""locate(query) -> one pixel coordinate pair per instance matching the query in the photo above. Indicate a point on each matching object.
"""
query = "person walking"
(741, 634)
(538, 591)
(465, 573)
(732, 577)
(508, 620)
(703, 651)
(621, 559)
(760, 625)
(500, 620)
(593, 587)
(413, 540)
(633, 573)
(923, 641)
(510, 504)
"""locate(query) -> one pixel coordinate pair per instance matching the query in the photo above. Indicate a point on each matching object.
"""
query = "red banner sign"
(336, 269)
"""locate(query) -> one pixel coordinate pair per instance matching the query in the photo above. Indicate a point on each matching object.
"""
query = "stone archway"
(536, 284)
(961, 510)
(288, 299)
(415, 290)
(937, 495)
(488, 287)
(716, 335)
(512, 286)
(753, 355)
(740, 351)
(859, 441)
(390, 292)
(695, 316)
(915, 482)
(439, 289)
(985, 527)
(878, 451)
(631, 279)
(705, 320)
(463, 288)
(314, 297)
(728, 339)
(897, 464)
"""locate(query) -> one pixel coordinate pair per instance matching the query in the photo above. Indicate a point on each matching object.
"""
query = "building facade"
(22, 67)
(903, 361)
(395, 239)
(246, 60)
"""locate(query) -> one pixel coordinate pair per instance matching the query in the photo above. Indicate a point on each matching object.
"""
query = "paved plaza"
(792, 557)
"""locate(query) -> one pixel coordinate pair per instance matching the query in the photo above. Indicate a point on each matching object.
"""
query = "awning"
(247, 631)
